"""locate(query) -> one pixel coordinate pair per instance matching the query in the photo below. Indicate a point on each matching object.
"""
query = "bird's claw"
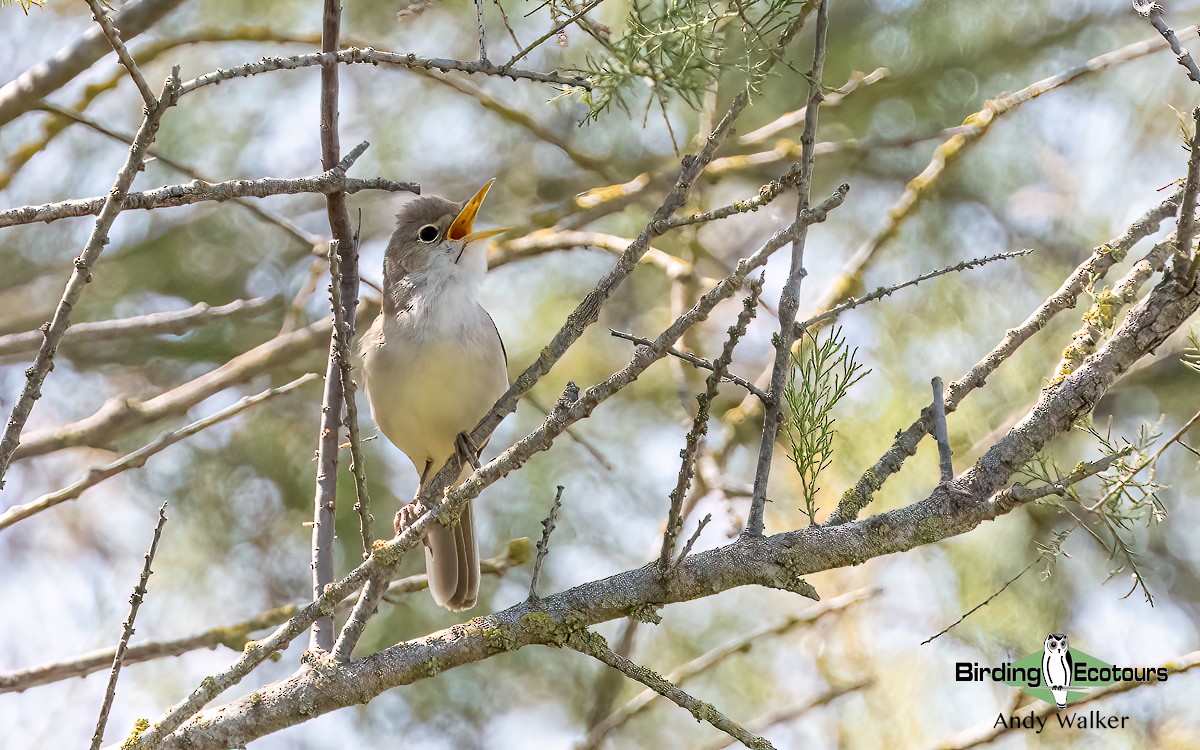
(405, 517)
(467, 450)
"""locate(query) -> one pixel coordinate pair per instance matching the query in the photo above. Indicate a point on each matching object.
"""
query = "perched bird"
(433, 364)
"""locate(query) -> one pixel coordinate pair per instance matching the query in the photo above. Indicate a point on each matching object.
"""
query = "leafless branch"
(355, 55)
(978, 125)
(344, 299)
(982, 604)
(543, 546)
(138, 458)
(697, 361)
(856, 81)
(81, 276)
(1153, 12)
(789, 298)
(175, 322)
(194, 192)
(833, 312)
(696, 435)
(556, 29)
(691, 542)
(594, 646)
(1185, 228)
(796, 710)
(114, 38)
(135, 602)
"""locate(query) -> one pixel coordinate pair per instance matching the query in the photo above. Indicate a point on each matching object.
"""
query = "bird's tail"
(452, 562)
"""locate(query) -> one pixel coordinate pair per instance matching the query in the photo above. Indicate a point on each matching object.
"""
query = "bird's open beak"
(460, 229)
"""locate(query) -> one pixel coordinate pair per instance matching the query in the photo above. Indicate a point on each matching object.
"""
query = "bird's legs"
(467, 451)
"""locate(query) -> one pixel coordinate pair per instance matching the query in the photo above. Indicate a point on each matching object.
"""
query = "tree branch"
(789, 298)
(81, 276)
(594, 646)
(114, 38)
(175, 322)
(196, 191)
(135, 603)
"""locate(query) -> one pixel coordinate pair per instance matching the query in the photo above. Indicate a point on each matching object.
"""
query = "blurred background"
(1060, 175)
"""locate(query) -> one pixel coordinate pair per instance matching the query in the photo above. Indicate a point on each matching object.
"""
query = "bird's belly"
(423, 396)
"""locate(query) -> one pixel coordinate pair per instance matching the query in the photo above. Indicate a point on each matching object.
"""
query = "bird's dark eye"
(428, 233)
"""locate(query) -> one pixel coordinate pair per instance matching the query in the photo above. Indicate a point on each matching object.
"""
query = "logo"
(1058, 675)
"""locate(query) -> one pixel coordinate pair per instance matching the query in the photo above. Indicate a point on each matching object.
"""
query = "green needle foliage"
(681, 47)
(823, 370)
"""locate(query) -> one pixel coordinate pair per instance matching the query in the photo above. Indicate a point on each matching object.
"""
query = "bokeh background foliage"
(1060, 174)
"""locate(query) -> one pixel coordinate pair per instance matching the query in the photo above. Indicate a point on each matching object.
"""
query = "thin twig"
(556, 29)
(856, 81)
(697, 361)
(796, 710)
(138, 458)
(543, 545)
(945, 457)
(710, 659)
(789, 299)
(356, 55)
(274, 218)
(81, 276)
(699, 429)
(833, 312)
(1153, 12)
(114, 38)
(174, 322)
(954, 148)
(196, 191)
(594, 646)
(483, 55)
(135, 602)
(691, 542)
(982, 604)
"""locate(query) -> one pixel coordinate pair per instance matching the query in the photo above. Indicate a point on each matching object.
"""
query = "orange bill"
(465, 221)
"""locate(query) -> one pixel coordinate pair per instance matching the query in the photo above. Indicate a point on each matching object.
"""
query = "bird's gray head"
(429, 247)
(1056, 643)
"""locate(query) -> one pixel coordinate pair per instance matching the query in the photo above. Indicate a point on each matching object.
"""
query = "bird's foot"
(405, 516)
(467, 450)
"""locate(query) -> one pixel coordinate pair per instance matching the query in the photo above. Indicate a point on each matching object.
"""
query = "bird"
(433, 364)
(1057, 666)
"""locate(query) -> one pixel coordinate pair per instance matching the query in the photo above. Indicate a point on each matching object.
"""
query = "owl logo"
(1057, 667)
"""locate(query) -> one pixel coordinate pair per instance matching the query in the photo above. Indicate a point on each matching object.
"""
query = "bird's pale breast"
(423, 392)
